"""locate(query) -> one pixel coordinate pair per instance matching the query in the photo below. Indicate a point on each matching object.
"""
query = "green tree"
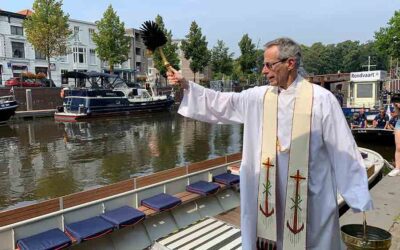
(388, 38)
(195, 49)
(378, 57)
(112, 45)
(47, 29)
(221, 59)
(314, 58)
(170, 50)
(248, 57)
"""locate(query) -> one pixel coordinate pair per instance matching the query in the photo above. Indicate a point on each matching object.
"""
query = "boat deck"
(207, 234)
(232, 217)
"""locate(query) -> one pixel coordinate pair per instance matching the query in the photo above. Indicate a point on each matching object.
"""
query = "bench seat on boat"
(161, 202)
(89, 229)
(123, 216)
(51, 239)
(203, 188)
(227, 179)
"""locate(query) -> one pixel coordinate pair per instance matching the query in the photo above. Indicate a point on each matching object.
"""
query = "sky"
(305, 21)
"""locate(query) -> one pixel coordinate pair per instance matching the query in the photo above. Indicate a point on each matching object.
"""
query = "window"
(364, 90)
(76, 33)
(18, 50)
(91, 32)
(92, 56)
(64, 79)
(39, 56)
(79, 55)
(137, 37)
(15, 30)
(138, 52)
(138, 67)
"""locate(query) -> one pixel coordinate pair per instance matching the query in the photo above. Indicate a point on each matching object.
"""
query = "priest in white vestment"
(335, 164)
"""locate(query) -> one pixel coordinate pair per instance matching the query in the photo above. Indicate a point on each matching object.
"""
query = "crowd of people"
(381, 120)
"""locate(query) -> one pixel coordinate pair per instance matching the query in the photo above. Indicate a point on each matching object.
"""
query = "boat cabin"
(365, 88)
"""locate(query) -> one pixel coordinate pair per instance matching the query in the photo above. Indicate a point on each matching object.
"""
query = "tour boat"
(377, 135)
(110, 99)
(194, 206)
(8, 105)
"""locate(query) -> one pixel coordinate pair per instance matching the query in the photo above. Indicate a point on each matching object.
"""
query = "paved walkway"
(386, 215)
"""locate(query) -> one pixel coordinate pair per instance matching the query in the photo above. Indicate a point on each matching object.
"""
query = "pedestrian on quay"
(396, 170)
(298, 151)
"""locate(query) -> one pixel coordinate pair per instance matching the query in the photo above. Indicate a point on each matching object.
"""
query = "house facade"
(17, 55)
(138, 59)
(184, 66)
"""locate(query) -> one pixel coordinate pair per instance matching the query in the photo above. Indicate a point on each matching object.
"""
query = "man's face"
(275, 69)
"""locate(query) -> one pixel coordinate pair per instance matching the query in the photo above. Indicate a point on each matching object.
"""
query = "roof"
(26, 12)
(11, 14)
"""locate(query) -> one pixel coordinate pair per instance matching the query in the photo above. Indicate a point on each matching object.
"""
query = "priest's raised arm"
(207, 105)
(213, 106)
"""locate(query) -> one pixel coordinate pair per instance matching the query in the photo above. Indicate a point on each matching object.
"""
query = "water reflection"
(42, 159)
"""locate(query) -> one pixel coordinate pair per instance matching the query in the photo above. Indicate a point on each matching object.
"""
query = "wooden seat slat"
(147, 211)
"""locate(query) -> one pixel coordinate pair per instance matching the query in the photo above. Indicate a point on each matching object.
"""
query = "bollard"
(28, 99)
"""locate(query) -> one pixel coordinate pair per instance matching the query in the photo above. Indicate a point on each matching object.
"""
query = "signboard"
(52, 66)
(368, 76)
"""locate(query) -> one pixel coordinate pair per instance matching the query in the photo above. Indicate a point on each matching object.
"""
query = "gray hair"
(288, 48)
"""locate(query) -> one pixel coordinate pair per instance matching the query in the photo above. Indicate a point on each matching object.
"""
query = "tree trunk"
(194, 76)
(111, 67)
(48, 68)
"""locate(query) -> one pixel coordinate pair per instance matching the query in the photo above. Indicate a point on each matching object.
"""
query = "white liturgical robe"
(335, 162)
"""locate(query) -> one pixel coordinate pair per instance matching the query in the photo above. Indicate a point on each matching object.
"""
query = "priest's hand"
(176, 78)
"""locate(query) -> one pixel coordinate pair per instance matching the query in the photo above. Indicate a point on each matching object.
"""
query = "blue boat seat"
(89, 229)
(227, 179)
(203, 187)
(51, 239)
(161, 202)
(123, 216)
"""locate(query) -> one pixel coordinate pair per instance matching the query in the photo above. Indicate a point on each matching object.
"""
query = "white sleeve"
(348, 165)
(212, 106)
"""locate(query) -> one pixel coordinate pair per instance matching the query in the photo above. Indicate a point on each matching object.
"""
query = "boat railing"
(55, 213)
(7, 98)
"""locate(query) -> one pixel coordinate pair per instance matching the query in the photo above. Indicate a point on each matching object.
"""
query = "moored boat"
(8, 105)
(377, 135)
(109, 96)
(180, 207)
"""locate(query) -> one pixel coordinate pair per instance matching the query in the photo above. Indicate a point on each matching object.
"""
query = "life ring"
(62, 93)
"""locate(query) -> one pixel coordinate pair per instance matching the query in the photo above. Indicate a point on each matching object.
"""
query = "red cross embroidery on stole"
(296, 204)
(267, 190)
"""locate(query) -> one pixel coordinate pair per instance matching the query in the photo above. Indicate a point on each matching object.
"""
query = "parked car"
(18, 82)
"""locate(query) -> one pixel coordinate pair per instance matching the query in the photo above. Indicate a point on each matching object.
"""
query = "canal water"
(42, 159)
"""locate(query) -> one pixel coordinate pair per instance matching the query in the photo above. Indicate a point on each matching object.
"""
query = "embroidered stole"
(295, 216)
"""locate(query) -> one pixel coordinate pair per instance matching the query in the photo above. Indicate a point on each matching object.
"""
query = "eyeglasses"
(271, 65)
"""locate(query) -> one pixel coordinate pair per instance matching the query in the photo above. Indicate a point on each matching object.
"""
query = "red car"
(18, 82)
